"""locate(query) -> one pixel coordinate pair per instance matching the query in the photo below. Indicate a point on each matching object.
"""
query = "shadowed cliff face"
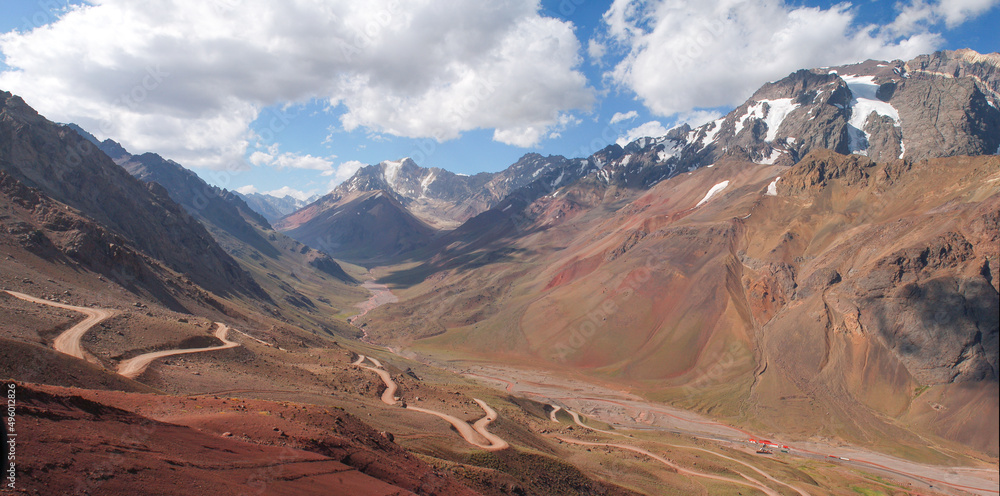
(60, 235)
(937, 315)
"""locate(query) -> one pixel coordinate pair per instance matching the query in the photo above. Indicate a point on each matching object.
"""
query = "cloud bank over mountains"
(188, 78)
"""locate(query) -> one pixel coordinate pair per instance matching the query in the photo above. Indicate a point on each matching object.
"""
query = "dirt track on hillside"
(477, 434)
(69, 341)
(134, 367)
(693, 473)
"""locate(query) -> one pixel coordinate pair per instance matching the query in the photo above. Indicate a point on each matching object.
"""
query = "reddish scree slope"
(80, 443)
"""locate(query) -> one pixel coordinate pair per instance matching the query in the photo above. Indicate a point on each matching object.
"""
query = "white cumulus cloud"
(623, 116)
(292, 192)
(688, 54)
(345, 170)
(922, 15)
(596, 50)
(652, 129)
(273, 157)
(186, 78)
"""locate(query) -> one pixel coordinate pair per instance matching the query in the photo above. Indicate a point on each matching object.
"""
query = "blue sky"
(248, 94)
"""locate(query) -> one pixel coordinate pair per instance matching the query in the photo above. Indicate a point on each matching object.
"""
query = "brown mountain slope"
(362, 227)
(71, 170)
(857, 298)
(306, 285)
(66, 239)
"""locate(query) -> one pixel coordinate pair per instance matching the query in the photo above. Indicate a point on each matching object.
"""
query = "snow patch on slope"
(712, 192)
(669, 150)
(775, 153)
(710, 136)
(772, 189)
(775, 114)
(427, 182)
(390, 169)
(559, 179)
(863, 103)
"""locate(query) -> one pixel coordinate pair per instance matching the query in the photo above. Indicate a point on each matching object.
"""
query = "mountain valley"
(799, 297)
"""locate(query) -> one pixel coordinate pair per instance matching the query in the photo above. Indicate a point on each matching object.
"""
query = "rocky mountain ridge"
(445, 199)
(885, 110)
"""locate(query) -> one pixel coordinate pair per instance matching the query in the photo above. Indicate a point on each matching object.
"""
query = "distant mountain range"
(444, 199)
(272, 207)
(398, 206)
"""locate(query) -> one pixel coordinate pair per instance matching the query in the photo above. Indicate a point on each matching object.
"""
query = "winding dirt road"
(477, 434)
(69, 341)
(389, 395)
(576, 418)
(552, 414)
(496, 444)
(693, 473)
(134, 367)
